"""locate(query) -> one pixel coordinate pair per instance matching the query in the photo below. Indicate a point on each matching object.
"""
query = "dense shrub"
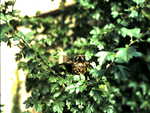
(114, 36)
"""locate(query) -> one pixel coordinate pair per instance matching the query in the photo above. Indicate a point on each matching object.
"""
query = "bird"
(76, 64)
(79, 65)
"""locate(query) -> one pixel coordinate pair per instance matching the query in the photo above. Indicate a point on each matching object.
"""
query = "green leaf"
(114, 14)
(109, 109)
(80, 42)
(86, 4)
(80, 89)
(121, 55)
(133, 85)
(88, 55)
(4, 17)
(76, 77)
(103, 87)
(115, 10)
(101, 57)
(38, 107)
(132, 104)
(133, 13)
(144, 88)
(95, 31)
(135, 32)
(96, 15)
(125, 54)
(58, 107)
(148, 40)
(122, 22)
(68, 104)
(95, 41)
(57, 94)
(145, 104)
(89, 108)
(111, 56)
(95, 73)
(82, 77)
(138, 1)
(122, 72)
(70, 88)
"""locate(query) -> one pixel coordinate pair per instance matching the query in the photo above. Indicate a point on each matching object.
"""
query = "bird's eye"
(76, 58)
(82, 58)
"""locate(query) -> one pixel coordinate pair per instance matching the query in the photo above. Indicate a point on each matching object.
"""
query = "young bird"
(79, 65)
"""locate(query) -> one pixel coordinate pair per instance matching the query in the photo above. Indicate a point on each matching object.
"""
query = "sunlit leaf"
(138, 1)
(125, 54)
(135, 32)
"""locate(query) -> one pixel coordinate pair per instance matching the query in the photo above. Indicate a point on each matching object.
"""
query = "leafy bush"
(113, 35)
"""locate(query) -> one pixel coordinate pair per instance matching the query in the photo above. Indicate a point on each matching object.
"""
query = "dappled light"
(84, 57)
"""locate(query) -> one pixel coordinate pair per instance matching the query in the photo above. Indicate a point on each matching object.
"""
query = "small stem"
(132, 42)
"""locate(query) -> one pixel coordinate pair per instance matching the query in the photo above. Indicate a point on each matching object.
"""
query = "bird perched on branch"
(77, 64)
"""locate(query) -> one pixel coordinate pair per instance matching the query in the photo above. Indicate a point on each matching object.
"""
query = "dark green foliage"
(113, 35)
(1, 106)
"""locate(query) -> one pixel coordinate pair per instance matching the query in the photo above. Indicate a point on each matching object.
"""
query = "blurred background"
(12, 80)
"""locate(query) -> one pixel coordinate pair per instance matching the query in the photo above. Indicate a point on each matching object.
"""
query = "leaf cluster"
(113, 35)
